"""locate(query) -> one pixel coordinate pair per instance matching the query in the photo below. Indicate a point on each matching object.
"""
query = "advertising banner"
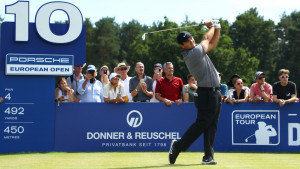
(255, 127)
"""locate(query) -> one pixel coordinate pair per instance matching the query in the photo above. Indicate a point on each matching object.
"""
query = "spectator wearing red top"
(169, 88)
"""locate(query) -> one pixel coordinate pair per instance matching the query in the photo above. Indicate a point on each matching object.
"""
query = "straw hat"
(121, 65)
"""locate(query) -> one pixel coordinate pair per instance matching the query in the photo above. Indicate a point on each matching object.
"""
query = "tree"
(288, 33)
(250, 31)
(128, 34)
(105, 43)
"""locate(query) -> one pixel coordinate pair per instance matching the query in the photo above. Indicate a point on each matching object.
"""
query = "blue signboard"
(152, 126)
(43, 49)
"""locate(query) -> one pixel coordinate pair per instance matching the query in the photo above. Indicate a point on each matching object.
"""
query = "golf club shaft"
(175, 28)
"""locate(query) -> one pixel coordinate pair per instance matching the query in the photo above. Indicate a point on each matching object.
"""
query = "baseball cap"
(257, 74)
(157, 65)
(183, 37)
(91, 67)
(112, 75)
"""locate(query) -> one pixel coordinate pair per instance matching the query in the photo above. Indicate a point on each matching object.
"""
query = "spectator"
(239, 94)
(224, 88)
(104, 74)
(169, 88)
(189, 89)
(284, 91)
(73, 80)
(261, 90)
(91, 89)
(157, 70)
(231, 82)
(114, 92)
(140, 86)
(63, 93)
(122, 69)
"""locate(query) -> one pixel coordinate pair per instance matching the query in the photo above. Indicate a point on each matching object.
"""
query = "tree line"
(247, 45)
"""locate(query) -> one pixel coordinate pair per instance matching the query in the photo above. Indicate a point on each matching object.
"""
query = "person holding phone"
(140, 86)
(114, 92)
(63, 93)
(104, 74)
(157, 75)
(91, 89)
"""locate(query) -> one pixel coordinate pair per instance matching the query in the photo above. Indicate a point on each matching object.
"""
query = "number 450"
(42, 18)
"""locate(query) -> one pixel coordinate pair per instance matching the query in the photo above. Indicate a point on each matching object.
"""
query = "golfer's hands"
(209, 24)
(168, 102)
(217, 24)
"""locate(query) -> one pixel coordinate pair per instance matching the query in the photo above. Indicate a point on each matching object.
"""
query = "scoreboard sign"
(32, 54)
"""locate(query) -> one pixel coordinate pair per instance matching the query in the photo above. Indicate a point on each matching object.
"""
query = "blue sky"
(149, 11)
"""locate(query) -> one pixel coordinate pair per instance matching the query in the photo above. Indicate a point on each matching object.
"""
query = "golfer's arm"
(207, 38)
(214, 41)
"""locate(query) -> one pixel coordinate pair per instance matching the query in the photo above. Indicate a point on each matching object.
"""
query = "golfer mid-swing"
(208, 97)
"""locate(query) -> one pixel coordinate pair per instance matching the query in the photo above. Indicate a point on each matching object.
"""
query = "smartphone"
(142, 81)
(105, 72)
(156, 71)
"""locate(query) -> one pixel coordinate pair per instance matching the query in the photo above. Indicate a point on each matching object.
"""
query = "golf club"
(246, 140)
(144, 35)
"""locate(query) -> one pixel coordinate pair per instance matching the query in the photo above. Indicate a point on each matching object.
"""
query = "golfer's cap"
(183, 37)
(91, 67)
(157, 65)
(112, 75)
(257, 74)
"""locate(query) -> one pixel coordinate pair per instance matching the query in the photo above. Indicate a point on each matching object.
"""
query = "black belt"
(208, 88)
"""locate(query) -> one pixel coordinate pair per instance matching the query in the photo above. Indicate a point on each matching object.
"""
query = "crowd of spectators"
(118, 87)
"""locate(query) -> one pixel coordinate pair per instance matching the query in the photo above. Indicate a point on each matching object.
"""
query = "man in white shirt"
(91, 89)
(122, 69)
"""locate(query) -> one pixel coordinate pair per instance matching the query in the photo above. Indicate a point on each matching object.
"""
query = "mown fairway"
(124, 160)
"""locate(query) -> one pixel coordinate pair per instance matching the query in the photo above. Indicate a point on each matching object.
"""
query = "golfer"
(208, 96)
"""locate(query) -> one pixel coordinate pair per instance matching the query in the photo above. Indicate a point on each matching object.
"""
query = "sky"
(148, 11)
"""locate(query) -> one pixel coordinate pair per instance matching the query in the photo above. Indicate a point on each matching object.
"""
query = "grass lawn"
(124, 160)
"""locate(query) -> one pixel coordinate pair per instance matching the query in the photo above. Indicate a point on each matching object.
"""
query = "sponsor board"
(255, 127)
(39, 64)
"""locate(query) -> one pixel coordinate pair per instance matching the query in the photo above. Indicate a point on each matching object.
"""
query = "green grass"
(124, 160)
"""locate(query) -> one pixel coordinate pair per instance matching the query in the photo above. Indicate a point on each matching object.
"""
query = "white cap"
(112, 75)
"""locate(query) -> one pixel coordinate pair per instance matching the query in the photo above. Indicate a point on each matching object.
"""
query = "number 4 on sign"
(8, 97)
(42, 21)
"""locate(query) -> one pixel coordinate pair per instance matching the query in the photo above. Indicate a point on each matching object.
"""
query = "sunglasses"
(240, 83)
(261, 78)
(284, 76)
(125, 68)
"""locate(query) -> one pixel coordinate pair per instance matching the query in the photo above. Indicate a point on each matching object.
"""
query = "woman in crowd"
(63, 93)
(238, 95)
(104, 74)
(114, 92)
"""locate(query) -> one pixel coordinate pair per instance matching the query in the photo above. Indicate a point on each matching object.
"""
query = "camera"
(105, 72)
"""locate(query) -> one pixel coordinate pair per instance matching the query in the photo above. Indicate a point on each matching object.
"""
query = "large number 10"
(21, 11)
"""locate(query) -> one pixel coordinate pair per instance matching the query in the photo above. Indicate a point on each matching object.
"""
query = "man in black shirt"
(284, 91)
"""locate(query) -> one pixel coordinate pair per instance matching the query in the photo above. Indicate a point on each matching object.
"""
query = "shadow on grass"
(161, 166)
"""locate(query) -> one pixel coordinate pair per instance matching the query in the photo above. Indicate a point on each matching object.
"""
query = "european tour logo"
(255, 127)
